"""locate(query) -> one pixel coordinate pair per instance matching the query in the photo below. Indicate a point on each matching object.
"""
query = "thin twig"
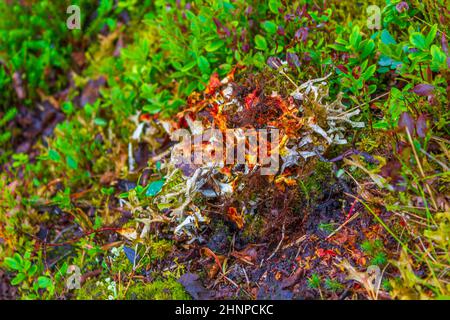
(279, 244)
(356, 215)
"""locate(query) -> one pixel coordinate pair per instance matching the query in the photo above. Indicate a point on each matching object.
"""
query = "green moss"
(168, 289)
(153, 251)
(92, 289)
(254, 226)
(159, 249)
(121, 263)
(312, 186)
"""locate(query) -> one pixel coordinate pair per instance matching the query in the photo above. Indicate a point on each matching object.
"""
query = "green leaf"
(381, 125)
(431, 35)
(437, 54)
(26, 265)
(214, 46)
(32, 270)
(188, 66)
(355, 37)
(27, 255)
(364, 65)
(260, 42)
(62, 271)
(72, 163)
(190, 15)
(203, 65)
(100, 122)
(67, 107)
(12, 263)
(54, 155)
(237, 55)
(368, 49)
(438, 58)
(151, 108)
(44, 282)
(154, 188)
(274, 5)
(269, 26)
(225, 68)
(341, 41)
(369, 72)
(18, 258)
(338, 47)
(386, 37)
(418, 40)
(18, 279)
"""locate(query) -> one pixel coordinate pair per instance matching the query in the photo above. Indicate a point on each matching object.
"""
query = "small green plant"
(326, 227)
(314, 281)
(333, 285)
(29, 276)
(355, 73)
(375, 250)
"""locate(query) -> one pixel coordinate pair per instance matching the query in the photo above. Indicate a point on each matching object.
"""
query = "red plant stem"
(350, 212)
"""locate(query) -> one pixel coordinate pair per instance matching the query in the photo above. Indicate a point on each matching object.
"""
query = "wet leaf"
(423, 89)
(247, 255)
(421, 126)
(274, 62)
(406, 121)
(192, 284)
(292, 60)
(301, 34)
(293, 279)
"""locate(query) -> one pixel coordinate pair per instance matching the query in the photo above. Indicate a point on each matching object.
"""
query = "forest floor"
(94, 203)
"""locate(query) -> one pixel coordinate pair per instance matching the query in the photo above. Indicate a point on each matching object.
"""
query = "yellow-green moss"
(92, 289)
(168, 289)
(254, 226)
(159, 249)
(312, 186)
